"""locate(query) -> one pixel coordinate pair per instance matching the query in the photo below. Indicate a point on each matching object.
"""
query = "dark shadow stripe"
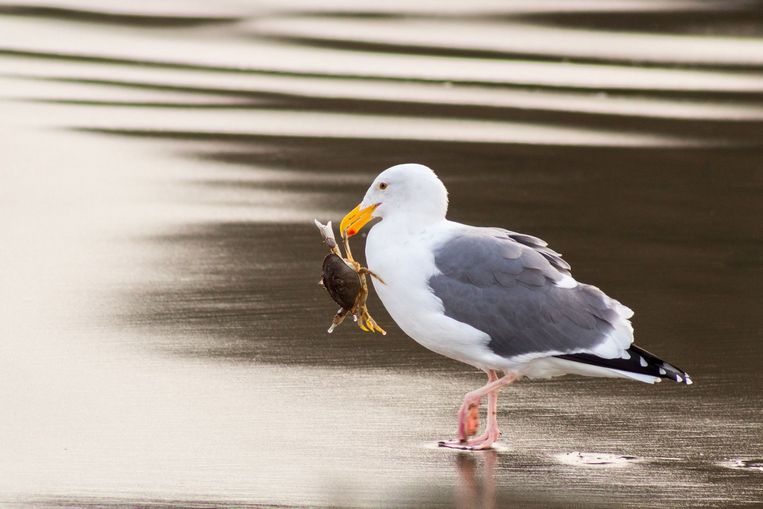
(730, 17)
(455, 52)
(113, 18)
(713, 131)
(710, 95)
(252, 137)
(756, 101)
(151, 104)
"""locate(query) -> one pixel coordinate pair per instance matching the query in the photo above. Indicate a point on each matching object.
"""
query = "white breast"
(405, 261)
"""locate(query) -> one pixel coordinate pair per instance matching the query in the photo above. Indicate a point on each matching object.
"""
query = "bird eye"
(383, 185)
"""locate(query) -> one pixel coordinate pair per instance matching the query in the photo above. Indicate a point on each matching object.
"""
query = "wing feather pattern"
(507, 285)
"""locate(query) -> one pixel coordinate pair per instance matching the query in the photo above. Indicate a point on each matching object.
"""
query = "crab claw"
(369, 324)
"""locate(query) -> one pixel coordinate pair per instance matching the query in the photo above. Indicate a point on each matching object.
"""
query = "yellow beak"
(356, 219)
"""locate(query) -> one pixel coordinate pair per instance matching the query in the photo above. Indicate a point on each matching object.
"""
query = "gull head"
(410, 191)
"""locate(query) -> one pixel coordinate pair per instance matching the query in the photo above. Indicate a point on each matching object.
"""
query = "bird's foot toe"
(478, 444)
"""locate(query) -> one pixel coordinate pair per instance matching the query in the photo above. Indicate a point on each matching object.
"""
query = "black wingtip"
(640, 362)
(664, 369)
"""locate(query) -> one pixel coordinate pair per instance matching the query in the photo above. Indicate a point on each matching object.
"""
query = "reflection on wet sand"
(471, 492)
(163, 335)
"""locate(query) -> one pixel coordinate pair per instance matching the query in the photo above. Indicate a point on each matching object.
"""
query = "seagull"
(501, 301)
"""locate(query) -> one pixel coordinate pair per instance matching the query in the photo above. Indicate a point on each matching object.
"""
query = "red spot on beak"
(351, 232)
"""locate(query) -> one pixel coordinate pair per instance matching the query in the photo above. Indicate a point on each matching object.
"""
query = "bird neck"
(398, 228)
(410, 222)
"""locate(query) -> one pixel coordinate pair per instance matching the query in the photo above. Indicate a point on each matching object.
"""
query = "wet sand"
(163, 335)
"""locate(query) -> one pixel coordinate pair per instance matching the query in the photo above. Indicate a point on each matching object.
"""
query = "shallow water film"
(162, 335)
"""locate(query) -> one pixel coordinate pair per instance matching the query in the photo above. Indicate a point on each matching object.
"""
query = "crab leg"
(347, 249)
(338, 319)
(371, 324)
(327, 232)
(363, 317)
(366, 270)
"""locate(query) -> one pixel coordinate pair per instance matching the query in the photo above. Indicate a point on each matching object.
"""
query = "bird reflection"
(472, 492)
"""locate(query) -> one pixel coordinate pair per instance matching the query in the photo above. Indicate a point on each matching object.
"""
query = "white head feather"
(410, 189)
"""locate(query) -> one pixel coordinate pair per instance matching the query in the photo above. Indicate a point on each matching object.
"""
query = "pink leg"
(492, 399)
(469, 412)
(492, 433)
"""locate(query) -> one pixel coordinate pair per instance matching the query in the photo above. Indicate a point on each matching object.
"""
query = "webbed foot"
(480, 443)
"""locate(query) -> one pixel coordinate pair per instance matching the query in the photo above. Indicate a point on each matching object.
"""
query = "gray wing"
(506, 285)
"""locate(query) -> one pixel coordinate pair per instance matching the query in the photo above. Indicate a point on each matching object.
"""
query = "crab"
(345, 280)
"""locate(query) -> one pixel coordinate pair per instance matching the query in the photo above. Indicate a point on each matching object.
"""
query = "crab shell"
(342, 281)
